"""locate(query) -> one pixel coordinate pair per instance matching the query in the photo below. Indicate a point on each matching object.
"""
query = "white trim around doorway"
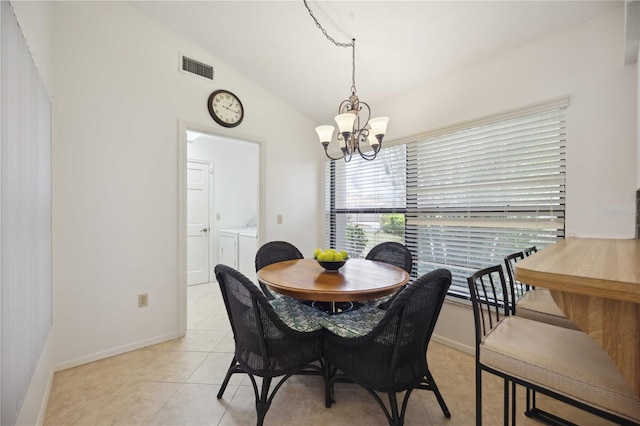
(182, 205)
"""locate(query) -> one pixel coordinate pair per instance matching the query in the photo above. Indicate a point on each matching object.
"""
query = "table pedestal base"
(335, 307)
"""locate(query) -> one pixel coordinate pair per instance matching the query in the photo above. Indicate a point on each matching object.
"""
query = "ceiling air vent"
(196, 67)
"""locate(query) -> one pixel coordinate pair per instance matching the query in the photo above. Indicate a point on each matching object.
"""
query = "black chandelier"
(355, 125)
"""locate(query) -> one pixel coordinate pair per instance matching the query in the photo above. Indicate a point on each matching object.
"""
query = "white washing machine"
(237, 248)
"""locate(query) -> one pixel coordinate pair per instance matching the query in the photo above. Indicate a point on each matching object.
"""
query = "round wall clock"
(225, 108)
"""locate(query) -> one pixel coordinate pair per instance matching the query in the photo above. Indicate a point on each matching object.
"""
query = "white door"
(197, 222)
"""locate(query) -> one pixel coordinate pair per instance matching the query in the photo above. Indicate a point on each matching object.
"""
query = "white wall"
(584, 63)
(118, 97)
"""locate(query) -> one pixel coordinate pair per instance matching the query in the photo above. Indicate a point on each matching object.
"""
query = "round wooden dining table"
(357, 280)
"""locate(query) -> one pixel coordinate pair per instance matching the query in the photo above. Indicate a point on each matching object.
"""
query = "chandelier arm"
(332, 158)
(345, 106)
(366, 122)
(369, 157)
(326, 145)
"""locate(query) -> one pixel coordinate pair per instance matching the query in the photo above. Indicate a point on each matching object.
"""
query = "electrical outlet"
(143, 300)
(279, 219)
(218, 216)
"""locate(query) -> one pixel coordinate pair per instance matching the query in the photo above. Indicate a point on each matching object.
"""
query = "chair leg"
(506, 402)
(478, 395)
(227, 377)
(541, 415)
(396, 419)
(513, 403)
(328, 373)
(262, 404)
(533, 400)
(436, 391)
(262, 397)
(531, 403)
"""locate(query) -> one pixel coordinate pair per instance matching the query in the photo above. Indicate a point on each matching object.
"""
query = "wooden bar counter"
(596, 283)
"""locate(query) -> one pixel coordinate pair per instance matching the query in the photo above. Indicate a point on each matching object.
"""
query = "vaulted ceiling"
(399, 44)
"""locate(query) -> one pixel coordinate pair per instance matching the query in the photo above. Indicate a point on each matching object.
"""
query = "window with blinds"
(366, 201)
(461, 200)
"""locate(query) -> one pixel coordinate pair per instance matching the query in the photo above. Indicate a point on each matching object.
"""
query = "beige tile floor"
(176, 382)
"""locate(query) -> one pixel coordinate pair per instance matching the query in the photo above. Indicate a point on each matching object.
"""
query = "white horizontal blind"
(461, 200)
(365, 201)
(479, 194)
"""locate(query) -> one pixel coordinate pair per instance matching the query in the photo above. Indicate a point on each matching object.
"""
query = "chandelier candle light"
(355, 125)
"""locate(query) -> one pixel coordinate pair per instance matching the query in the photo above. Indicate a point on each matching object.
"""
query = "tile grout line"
(182, 383)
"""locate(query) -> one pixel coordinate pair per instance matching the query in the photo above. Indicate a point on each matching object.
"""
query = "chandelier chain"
(352, 45)
(353, 67)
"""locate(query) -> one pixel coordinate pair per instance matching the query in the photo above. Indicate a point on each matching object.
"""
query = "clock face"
(225, 108)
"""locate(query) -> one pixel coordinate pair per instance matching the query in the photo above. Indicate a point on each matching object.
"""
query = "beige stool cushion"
(565, 361)
(538, 305)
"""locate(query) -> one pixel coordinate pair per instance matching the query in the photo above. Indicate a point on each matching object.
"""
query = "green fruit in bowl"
(330, 255)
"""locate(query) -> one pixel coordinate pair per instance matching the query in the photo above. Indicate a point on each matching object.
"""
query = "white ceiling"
(400, 44)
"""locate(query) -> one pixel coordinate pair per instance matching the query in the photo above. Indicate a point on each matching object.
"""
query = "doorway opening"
(220, 206)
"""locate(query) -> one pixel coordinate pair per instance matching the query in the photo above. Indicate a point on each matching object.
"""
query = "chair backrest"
(490, 299)
(264, 344)
(408, 325)
(276, 251)
(393, 253)
(517, 287)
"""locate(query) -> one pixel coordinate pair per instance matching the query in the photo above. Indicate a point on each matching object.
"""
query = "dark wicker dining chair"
(272, 252)
(391, 358)
(264, 345)
(395, 254)
(567, 365)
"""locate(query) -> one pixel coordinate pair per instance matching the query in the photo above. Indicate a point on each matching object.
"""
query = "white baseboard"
(45, 399)
(453, 344)
(34, 403)
(114, 351)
